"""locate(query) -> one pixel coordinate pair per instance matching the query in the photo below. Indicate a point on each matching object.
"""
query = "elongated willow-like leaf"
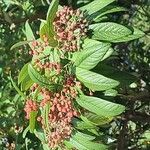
(109, 31)
(99, 106)
(84, 142)
(40, 135)
(29, 34)
(21, 43)
(93, 52)
(16, 88)
(28, 31)
(95, 81)
(95, 6)
(38, 78)
(24, 78)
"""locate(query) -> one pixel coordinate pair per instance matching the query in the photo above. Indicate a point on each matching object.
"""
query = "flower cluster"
(41, 61)
(48, 66)
(38, 46)
(29, 107)
(61, 112)
(70, 26)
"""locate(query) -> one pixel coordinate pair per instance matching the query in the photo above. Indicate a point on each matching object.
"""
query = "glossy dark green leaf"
(95, 81)
(100, 106)
(109, 31)
(93, 52)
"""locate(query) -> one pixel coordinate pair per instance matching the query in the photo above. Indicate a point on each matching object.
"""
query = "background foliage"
(129, 131)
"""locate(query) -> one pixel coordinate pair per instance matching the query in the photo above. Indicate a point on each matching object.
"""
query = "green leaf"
(135, 35)
(83, 125)
(123, 77)
(110, 92)
(48, 28)
(45, 115)
(106, 10)
(38, 78)
(43, 22)
(109, 31)
(32, 121)
(28, 32)
(21, 43)
(23, 73)
(25, 132)
(95, 81)
(45, 147)
(51, 14)
(46, 32)
(16, 88)
(99, 106)
(97, 119)
(83, 142)
(108, 54)
(26, 83)
(24, 78)
(95, 6)
(40, 135)
(93, 52)
(80, 135)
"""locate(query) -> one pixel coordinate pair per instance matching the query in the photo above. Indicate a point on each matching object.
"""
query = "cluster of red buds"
(47, 65)
(34, 87)
(38, 46)
(43, 63)
(61, 112)
(29, 107)
(70, 26)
